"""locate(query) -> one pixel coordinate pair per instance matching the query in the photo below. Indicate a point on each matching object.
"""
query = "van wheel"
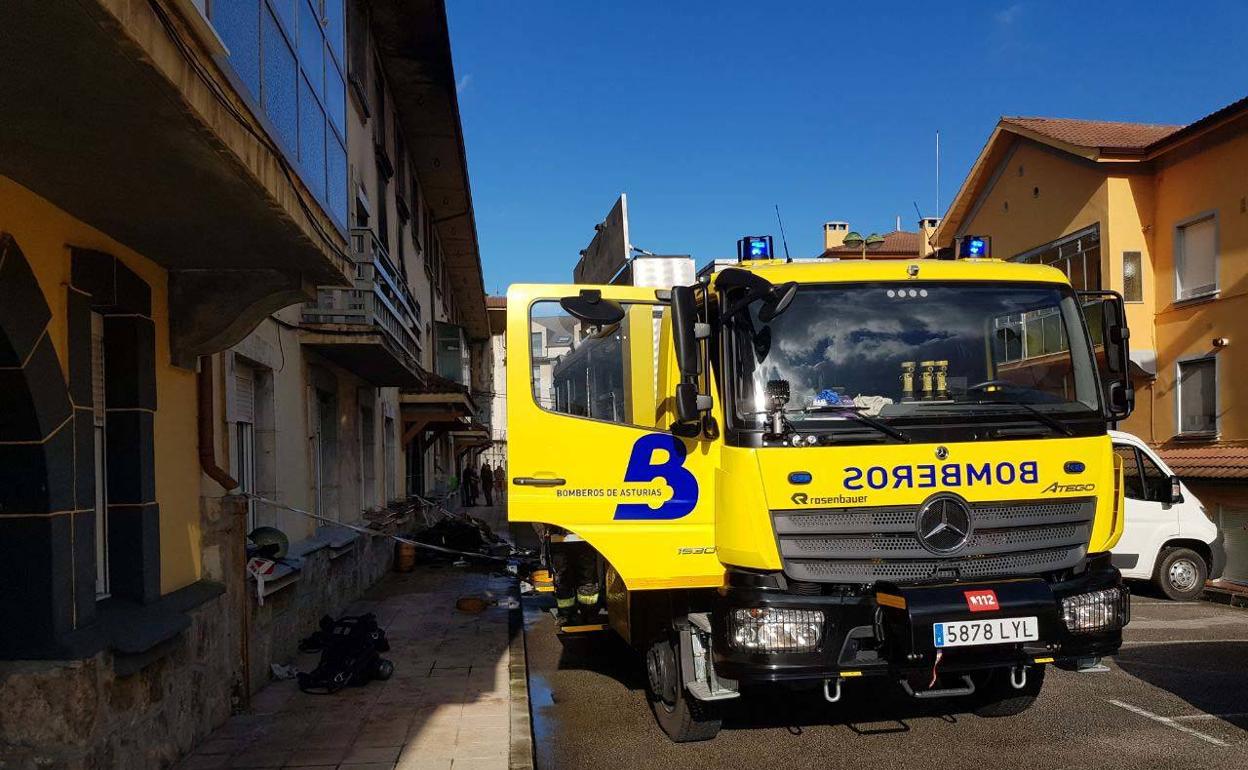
(1181, 574)
(682, 717)
(995, 696)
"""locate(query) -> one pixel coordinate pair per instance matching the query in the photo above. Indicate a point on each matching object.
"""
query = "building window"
(368, 459)
(289, 56)
(1077, 255)
(325, 453)
(536, 344)
(244, 414)
(100, 450)
(1132, 277)
(1198, 397)
(389, 458)
(1196, 257)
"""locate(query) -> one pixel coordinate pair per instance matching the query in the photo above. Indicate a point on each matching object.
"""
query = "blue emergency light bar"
(974, 247)
(754, 247)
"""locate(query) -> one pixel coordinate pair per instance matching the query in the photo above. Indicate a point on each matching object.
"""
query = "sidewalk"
(448, 705)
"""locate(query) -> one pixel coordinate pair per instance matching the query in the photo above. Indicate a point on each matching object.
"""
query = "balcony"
(116, 119)
(372, 329)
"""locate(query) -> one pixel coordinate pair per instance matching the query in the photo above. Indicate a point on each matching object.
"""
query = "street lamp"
(872, 242)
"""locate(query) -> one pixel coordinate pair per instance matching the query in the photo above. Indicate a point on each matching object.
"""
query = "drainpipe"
(207, 452)
(208, 462)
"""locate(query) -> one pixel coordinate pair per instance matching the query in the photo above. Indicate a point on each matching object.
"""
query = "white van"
(1168, 539)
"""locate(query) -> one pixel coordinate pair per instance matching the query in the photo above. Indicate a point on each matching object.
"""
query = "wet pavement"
(1176, 697)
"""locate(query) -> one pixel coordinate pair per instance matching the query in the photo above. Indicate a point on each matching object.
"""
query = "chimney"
(834, 234)
(927, 229)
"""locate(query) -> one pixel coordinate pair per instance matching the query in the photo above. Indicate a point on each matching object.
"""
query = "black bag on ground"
(351, 650)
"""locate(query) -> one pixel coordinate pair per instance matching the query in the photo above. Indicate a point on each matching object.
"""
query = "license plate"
(967, 633)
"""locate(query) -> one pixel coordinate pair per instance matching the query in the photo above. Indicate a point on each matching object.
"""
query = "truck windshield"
(892, 350)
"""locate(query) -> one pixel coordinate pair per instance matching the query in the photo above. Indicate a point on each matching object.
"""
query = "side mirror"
(690, 404)
(777, 301)
(591, 309)
(1114, 336)
(684, 330)
(1176, 491)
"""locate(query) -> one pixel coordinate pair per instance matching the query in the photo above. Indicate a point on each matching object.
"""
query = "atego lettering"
(642, 468)
(944, 475)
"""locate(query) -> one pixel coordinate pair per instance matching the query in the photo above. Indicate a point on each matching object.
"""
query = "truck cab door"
(589, 449)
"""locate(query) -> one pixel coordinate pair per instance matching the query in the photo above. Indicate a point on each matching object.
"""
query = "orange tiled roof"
(1095, 133)
(898, 243)
(494, 301)
(1219, 461)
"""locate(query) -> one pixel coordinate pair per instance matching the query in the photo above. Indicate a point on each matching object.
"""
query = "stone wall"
(115, 710)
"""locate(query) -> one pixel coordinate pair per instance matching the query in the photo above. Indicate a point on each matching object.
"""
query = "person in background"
(487, 483)
(500, 483)
(470, 485)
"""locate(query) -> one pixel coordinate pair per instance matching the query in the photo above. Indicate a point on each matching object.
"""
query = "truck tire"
(680, 715)
(1181, 574)
(995, 697)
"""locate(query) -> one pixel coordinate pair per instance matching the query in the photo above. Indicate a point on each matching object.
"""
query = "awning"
(437, 401)
(1213, 462)
(1143, 363)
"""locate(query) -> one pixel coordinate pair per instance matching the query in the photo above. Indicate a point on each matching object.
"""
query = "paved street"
(1174, 698)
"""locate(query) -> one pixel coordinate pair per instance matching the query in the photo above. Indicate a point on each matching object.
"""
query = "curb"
(520, 756)
(1219, 595)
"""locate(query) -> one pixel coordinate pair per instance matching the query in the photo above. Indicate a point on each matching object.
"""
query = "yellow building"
(1160, 214)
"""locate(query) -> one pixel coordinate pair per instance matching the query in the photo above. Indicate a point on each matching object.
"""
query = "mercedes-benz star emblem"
(944, 524)
(942, 452)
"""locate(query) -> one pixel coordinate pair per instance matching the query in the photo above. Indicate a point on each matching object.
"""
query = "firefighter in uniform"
(575, 566)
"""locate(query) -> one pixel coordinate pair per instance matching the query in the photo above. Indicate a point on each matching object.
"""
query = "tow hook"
(830, 695)
(1018, 677)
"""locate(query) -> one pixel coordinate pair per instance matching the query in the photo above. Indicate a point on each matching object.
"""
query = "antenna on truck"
(783, 240)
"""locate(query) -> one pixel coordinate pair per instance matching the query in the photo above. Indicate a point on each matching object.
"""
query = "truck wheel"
(1181, 574)
(682, 717)
(995, 697)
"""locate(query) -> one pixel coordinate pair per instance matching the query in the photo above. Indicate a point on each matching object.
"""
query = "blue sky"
(708, 114)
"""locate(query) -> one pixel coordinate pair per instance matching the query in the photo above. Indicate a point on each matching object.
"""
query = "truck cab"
(808, 474)
(1168, 540)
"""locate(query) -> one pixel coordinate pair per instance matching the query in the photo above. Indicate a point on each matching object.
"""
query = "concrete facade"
(159, 350)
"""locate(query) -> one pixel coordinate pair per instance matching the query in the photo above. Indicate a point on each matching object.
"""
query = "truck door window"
(604, 375)
(1133, 483)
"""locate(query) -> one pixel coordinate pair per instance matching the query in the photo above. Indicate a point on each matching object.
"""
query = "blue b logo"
(642, 468)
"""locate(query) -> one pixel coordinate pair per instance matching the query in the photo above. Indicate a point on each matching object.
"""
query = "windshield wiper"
(867, 420)
(1053, 423)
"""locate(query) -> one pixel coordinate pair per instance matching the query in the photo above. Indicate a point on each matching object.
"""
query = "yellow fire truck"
(812, 472)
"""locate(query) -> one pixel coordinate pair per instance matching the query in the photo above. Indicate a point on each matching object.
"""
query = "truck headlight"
(1104, 610)
(771, 629)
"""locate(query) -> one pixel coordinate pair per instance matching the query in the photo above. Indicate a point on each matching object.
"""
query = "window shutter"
(97, 367)
(1198, 272)
(244, 394)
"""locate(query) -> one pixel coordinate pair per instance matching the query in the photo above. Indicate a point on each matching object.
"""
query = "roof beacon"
(974, 247)
(754, 247)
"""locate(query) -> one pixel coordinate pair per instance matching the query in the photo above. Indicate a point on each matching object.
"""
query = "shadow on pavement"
(1212, 677)
(869, 707)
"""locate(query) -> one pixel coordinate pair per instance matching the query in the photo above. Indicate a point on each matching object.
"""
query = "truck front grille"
(862, 545)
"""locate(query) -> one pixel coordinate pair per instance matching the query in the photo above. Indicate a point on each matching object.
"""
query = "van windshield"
(893, 350)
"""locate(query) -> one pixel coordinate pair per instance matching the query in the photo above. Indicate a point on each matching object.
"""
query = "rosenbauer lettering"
(944, 475)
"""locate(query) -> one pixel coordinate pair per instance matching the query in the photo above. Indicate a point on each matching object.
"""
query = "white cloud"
(1007, 16)
(463, 83)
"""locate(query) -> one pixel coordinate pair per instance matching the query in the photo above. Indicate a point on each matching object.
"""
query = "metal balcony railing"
(380, 298)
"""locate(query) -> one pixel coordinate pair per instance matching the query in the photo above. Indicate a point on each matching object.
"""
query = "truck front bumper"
(893, 636)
